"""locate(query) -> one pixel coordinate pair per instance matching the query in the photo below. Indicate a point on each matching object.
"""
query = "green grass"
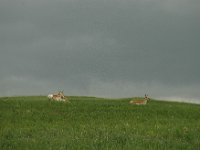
(95, 123)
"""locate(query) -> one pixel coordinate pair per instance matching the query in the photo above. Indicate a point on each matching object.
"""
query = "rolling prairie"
(35, 123)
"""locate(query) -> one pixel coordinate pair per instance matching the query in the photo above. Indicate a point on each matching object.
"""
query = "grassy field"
(93, 123)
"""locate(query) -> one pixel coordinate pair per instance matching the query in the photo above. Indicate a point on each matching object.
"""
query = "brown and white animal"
(140, 101)
(57, 97)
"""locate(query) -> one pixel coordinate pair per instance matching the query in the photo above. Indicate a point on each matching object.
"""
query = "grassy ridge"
(95, 123)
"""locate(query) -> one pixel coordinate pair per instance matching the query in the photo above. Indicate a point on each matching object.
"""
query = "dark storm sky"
(107, 48)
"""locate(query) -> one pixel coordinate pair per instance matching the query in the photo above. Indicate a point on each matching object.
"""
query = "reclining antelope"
(57, 97)
(140, 101)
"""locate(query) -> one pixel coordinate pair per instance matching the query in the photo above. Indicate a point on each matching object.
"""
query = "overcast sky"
(104, 48)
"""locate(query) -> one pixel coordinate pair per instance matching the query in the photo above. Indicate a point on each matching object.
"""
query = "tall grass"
(95, 123)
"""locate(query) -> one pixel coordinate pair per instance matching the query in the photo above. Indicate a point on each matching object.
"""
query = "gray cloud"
(103, 48)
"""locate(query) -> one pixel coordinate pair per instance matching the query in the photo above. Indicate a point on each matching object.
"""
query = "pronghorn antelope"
(57, 97)
(140, 101)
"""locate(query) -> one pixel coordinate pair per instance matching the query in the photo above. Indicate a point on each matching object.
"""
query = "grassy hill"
(96, 123)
